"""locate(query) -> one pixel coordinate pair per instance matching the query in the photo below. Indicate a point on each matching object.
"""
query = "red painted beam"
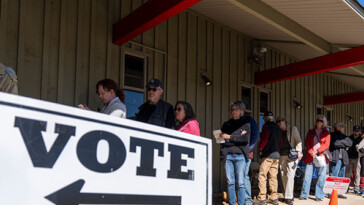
(148, 15)
(344, 98)
(334, 61)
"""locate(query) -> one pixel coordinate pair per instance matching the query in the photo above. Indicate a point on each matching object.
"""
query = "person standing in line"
(353, 168)
(291, 139)
(317, 142)
(269, 147)
(186, 118)
(156, 111)
(234, 152)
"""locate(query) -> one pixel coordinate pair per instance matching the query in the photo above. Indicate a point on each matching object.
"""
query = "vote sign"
(56, 154)
(339, 183)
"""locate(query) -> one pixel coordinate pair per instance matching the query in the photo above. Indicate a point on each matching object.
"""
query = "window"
(319, 111)
(357, 6)
(134, 71)
(134, 83)
(246, 97)
(264, 104)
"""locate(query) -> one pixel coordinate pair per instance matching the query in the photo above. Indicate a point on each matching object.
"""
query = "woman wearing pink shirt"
(186, 120)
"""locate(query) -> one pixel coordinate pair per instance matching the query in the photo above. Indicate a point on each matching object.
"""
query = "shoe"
(288, 201)
(260, 202)
(342, 196)
(317, 199)
(274, 202)
(302, 198)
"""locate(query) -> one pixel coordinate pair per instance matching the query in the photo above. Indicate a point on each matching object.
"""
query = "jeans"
(234, 165)
(337, 169)
(248, 187)
(321, 172)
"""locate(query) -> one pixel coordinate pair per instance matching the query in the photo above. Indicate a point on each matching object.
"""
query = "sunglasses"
(278, 121)
(177, 109)
(152, 89)
(320, 121)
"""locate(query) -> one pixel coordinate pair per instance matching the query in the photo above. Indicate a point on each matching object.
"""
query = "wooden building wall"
(61, 48)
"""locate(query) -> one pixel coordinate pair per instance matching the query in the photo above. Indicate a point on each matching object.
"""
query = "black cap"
(356, 128)
(268, 113)
(155, 82)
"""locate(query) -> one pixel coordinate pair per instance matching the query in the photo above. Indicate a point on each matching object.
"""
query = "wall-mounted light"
(349, 117)
(207, 81)
(297, 105)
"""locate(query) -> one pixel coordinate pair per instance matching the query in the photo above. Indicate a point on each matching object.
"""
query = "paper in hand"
(217, 136)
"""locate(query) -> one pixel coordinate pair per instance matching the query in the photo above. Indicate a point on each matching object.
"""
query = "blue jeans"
(337, 169)
(248, 187)
(321, 172)
(234, 165)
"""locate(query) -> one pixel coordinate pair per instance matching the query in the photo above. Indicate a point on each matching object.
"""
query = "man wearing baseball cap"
(353, 168)
(269, 147)
(339, 144)
(156, 111)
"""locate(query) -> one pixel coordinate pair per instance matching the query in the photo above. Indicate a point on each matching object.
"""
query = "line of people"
(280, 150)
(155, 111)
(280, 147)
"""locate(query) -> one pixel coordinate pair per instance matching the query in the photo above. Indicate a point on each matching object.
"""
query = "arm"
(263, 138)
(170, 119)
(325, 144)
(308, 143)
(242, 137)
(118, 113)
(343, 143)
(297, 139)
(193, 128)
(254, 134)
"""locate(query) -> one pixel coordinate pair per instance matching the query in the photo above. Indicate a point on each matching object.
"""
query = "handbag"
(293, 154)
(327, 153)
(361, 150)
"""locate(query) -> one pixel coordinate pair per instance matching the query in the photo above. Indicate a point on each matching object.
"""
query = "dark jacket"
(352, 152)
(238, 143)
(270, 139)
(340, 142)
(253, 135)
(161, 114)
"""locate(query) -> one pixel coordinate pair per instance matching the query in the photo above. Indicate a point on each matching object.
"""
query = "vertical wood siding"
(60, 49)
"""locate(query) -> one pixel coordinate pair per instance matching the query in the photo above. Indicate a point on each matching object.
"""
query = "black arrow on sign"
(71, 195)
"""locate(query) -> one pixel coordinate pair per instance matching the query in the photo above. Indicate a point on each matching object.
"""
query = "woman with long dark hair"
(186, 119)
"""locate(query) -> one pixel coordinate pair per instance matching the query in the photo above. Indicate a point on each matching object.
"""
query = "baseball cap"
(268, 113)
(356, 128)
(155, 82)
(339, 124)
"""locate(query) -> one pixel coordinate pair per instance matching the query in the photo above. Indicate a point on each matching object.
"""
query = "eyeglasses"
(177, 109)
(320, 121)
(153, 89)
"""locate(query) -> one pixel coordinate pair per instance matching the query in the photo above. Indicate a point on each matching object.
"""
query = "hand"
(314, 152)
(300, 156)
(314, 156)
(243, 132)
(260, 152)
(224, 136)
(83, 106)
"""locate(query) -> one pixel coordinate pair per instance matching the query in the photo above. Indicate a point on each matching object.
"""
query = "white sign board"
(56, 154)
(341, 184)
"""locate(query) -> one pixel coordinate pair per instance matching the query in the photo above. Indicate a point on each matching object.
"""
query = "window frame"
(251, 96)
(138, 55)
(269, 99)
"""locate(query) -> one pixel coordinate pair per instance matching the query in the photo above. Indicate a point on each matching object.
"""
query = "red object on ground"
(334, 198)
(334, 61)
(344, 98)
(148, 15)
